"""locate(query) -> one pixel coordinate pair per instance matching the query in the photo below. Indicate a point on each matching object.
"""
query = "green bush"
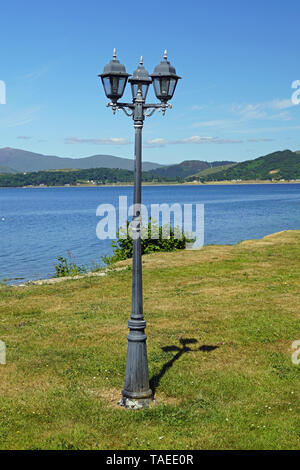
(66, 268)
(166, 238)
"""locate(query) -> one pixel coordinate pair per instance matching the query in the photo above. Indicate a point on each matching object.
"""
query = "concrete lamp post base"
(135, 403)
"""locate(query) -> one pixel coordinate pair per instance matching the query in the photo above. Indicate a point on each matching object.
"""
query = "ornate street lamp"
(137, 393)
(114, 79)
(140, 80)
(164, 80)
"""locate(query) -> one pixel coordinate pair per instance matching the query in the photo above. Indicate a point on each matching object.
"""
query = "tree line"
(72, 177)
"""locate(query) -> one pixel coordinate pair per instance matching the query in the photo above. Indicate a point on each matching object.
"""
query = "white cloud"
(194, 139)
(261, 140)
(197, 107)
(36, 73)
(267, 129)
(220, 123)
(264, 110)
(249, 111)
(106, 141)
(275, 110)
(152, 143)
(20, 118)
(282, 104)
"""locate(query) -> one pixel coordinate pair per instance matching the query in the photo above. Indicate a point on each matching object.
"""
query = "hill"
(14, 163)
(275, 166)
(6, 169)
(185, 169)
(216, 169)
(23, 161)
(87, 176)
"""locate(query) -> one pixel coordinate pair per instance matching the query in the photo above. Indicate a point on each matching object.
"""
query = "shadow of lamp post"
(137, 393)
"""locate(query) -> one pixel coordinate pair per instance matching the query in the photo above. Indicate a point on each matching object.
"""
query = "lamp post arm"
(133, 107)
(117, 106)
(157, 107)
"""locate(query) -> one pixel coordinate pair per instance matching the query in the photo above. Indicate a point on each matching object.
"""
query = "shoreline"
(210, 183)
(55, 280)
(118, 267)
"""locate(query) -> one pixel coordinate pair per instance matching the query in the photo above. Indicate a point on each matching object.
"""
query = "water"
(39, 224)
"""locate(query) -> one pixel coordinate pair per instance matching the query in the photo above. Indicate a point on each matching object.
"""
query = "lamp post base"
(135, 403)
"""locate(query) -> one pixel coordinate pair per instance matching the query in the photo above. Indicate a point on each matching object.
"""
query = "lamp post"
(137, 393)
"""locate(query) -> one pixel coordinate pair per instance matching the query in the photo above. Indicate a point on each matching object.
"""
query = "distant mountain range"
(102, 169)
(15, 160)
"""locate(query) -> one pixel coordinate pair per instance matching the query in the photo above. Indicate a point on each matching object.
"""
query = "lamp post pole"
(136, 393)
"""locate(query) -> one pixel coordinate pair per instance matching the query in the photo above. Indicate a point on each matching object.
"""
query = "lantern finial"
(114, 53)
(141, 60)
(165, 54)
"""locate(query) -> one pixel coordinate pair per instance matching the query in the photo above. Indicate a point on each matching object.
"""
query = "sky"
(238, 61)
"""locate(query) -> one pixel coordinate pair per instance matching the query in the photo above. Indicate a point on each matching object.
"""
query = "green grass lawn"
(220, 326)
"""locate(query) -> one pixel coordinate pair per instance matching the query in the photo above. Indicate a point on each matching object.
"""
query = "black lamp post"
(137, 393)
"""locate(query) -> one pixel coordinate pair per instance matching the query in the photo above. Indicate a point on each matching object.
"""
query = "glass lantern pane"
(139, 86)
(106, 85)
(145, 90)
(121, 86)
(134, 89)
(164, 87)
(156, 87)
(114, 85)
(172, 86)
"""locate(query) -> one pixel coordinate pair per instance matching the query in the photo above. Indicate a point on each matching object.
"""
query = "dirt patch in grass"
(182, 258)
(278, 238)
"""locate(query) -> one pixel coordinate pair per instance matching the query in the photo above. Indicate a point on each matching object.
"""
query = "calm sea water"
(37, 225)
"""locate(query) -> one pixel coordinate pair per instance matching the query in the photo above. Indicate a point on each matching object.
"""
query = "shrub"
(66, 268)
(167, 239)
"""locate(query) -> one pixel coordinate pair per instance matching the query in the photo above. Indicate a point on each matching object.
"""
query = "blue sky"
(238, 60)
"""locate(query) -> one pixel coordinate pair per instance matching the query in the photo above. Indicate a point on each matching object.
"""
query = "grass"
(215, 169)
(220, 325)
